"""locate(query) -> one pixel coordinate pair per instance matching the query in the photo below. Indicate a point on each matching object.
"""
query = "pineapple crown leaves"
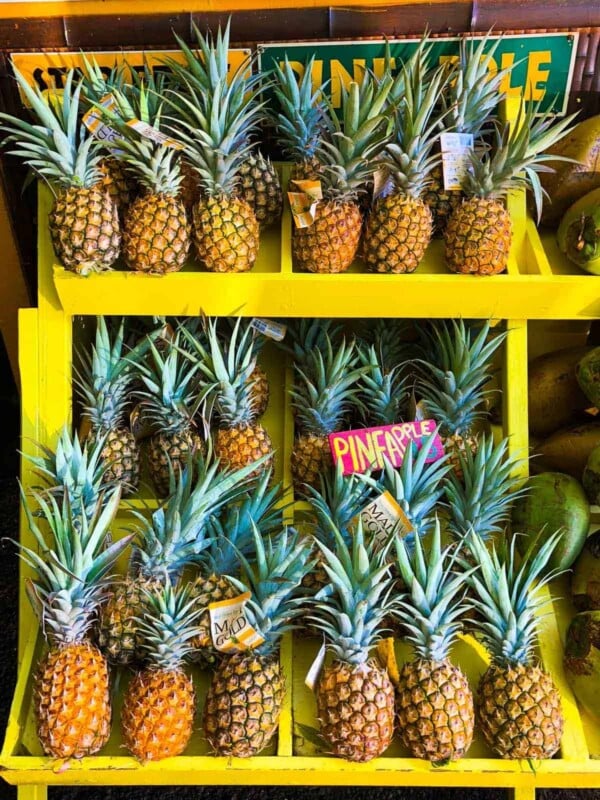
(301, 117)
(58, 149)
(326, 390)
(351, 608)
(176, 533)
(337, 504)
(227, 366)
(431, 609)
(273, 578)
(505, 597)
(105, 376)
(391, 339)
(168, 624)
(75, 469)
(384, 391)
(418, 65)
(348, 157)
(306, 335)
(455, 373)
(417, 486)
(232, 532)
(97, 81)
(473, 91)
(155, 164)
(519, 148)
(408, 157)
(172, 395)
(482, 499)
(72, 570)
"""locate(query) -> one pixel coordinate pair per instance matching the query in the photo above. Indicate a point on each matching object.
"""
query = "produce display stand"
(536, 286)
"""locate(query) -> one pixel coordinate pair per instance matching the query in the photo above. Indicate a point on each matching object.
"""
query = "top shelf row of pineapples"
(169, 161)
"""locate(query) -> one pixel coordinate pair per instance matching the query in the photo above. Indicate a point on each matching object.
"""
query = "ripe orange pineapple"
(71, 691)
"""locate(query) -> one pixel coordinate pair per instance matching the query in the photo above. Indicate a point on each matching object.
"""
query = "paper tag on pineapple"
(456, 151)
(304, 202)
(95, 124)
(148, 132)
(274, 330)
(230, 630)
(312, 676)
(387, 656)
(384, 516)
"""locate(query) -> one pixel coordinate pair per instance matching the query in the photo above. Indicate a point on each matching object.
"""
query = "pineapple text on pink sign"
(367, 448)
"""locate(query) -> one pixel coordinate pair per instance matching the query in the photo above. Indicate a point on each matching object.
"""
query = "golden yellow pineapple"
(227, 364)
(159, 704)
(442, 202)
(83, 221)
(330, 242)
(324, 391)
(518, 705)
(156, 232)
(244, 699)
(452, 386)
(169, 401)
(217, 113)
(71, 693)
(189, 191)
(260, 186)
(478, 235)
(399, 227)
(105, 379)
(120, 185)
(355, 696)
(118, 635)
(260, 389)
(434, 702)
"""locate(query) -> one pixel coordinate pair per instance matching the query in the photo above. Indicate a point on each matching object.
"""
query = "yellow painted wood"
(32, 793)
(522, 793)
(104, 7)
(515, 391)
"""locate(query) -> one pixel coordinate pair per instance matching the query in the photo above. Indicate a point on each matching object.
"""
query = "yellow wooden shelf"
(531, 288)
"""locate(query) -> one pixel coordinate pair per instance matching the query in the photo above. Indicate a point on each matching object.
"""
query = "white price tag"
(148, 132)
(274, 330)
(382, 516)
(456, 150)
(312, 676)
(95, 124)
(229, 627)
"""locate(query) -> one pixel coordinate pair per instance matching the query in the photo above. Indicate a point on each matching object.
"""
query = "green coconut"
(585, 582)
(552, 501)
(587, 372)
(582, 660)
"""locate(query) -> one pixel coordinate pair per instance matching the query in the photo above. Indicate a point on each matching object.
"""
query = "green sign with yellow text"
(542, 64)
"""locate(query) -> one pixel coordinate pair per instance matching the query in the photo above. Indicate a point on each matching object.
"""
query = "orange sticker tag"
(304, 202)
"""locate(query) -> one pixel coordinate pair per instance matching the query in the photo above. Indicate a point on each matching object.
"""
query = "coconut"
(585, 583)
(582, 660)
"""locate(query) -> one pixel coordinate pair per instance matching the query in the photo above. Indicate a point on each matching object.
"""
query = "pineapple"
(434, 703)
(169, 401)
(159, 704)
(321, 399)
(156, 231)
(355, 696)
(258, 179)
(228, 535)
(71, 693)
(173, 537)
(84, 221)
(384, 394)
(453, 380)
(330, 243)
(301, 119)
(470, 100)
(121, 186)
(517, 704)
(304, 336)
(215, 117)
(257, 380)
(482, 499)
(399, 227)
(479, 232)
(78, 470)
(104, 380)
(244, 700)
(228, 367)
